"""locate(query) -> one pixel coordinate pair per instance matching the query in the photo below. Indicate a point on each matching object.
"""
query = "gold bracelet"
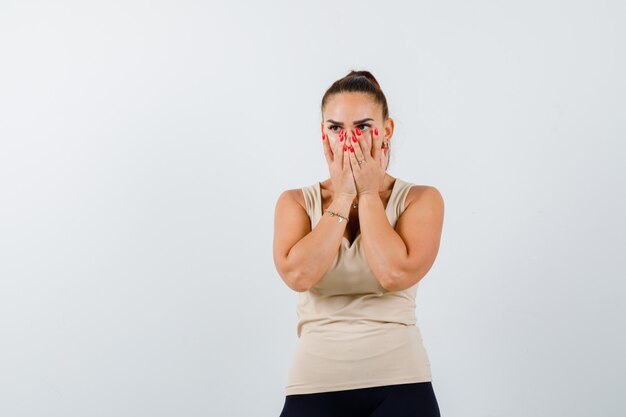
(332, 213)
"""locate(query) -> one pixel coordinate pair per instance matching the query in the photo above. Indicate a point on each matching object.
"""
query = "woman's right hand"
(339, 166)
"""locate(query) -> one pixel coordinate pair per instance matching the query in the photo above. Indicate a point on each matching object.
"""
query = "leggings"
(398, 400)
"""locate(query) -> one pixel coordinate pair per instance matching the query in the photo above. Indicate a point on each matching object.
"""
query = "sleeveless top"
(352, 333)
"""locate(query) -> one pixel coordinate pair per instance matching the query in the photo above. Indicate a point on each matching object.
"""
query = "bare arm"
(302, 255)
(400, 258)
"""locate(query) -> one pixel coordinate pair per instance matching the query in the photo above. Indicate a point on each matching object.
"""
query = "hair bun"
(365, 74)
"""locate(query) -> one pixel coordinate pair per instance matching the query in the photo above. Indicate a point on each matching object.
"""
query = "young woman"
(355, 247)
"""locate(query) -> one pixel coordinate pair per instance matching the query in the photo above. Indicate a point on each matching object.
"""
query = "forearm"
(314, 253)
(384, 250)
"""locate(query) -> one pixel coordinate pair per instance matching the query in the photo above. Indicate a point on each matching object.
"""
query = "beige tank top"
(352, 333)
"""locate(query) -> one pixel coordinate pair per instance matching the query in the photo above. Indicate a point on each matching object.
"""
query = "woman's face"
(347, 111)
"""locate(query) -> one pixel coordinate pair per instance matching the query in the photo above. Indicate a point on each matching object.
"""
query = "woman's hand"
(339, 166)
(370, 173)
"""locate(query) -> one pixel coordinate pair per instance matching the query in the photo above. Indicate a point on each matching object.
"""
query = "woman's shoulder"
(295, 194)
(422, 193)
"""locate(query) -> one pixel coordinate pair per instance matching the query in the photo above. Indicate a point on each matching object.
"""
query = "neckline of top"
(344, 240)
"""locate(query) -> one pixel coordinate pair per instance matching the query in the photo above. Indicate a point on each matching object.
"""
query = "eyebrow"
(356, 122)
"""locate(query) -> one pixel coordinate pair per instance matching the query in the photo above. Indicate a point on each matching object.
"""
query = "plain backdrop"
(143, 145)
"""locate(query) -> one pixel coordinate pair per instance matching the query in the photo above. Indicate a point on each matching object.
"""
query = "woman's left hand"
(369, 175)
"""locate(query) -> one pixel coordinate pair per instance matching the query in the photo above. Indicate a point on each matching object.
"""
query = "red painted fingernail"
(323, 136)
(353, 138)
(351, 149)
(376, 131)
(340, 138)
(358, 131)
(345, 148)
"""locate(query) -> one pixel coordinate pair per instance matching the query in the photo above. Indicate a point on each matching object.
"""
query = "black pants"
(400, 400)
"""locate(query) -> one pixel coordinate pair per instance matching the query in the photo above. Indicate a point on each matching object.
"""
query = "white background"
(143, 145)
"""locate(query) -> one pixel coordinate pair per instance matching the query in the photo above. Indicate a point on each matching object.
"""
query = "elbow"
(292, 275)
(400, 281)
(300, 284)
(298, 281)
(390, 283)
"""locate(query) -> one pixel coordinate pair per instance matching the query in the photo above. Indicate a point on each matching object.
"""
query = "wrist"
(341, 204)
(367, 196)
(345, 196)
(343, 199)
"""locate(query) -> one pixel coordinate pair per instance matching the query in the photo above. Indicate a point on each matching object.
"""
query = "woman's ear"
(388, 129)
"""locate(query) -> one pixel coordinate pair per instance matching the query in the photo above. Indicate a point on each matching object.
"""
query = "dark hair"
(362, 82)
(358, 81)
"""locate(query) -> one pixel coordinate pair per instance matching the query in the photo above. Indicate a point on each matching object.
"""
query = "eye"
(333, 127)
(361, 126)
